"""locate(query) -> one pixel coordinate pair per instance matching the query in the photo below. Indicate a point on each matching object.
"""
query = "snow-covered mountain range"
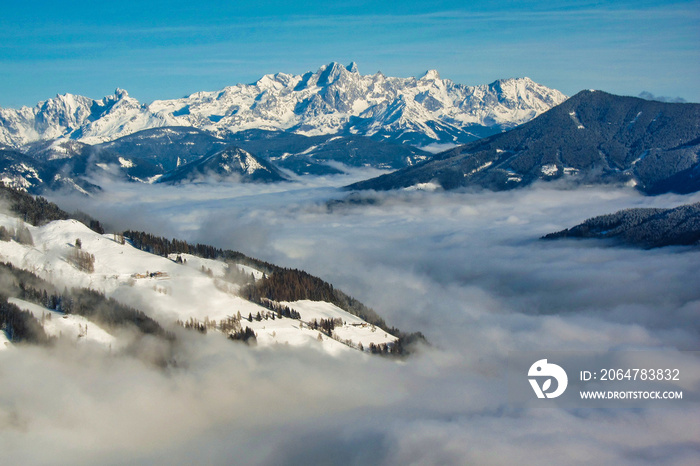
(336, 99)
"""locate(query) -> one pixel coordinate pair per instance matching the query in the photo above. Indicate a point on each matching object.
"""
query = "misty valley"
(333, 268)
(466, 269)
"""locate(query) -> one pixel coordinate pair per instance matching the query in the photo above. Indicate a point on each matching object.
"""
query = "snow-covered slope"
(17, 170)
(4, 342)
(354, 329)
(336, 99)
(166, 290)
(70, 326)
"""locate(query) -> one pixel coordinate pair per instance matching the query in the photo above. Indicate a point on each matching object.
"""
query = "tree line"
(34, 210)
(38, 211)
(231, 326)
(326, 325)
(21, 234)
(642, 227)
(20, 326)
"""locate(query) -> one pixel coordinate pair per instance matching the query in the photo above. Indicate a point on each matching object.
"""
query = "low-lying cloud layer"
(466, 269)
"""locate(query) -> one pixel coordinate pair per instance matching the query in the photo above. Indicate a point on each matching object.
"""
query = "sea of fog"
(467, 269)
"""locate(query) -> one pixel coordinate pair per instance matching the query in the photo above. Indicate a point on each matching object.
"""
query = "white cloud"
(467, 269)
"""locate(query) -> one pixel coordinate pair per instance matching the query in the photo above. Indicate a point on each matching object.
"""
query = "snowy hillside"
(71, 326)
(336, 99)
(181, 288)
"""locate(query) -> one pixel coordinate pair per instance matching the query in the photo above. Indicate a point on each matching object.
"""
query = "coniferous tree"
(247, 336)
(23, 235)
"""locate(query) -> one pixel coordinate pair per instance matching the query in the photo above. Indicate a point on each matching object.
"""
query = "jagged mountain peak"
(120, 98)
(520, 79)
(334, 71)
(516, 86)
(335, 99)
(63, 104)
(120, 93)
(273, 81)
(430, 75)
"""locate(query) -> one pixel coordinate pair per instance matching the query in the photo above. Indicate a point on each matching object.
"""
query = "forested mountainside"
(593, 137)
(258, 289)
(645, 228)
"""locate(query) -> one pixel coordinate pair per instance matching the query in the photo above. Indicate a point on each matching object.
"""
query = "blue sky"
(167, 49)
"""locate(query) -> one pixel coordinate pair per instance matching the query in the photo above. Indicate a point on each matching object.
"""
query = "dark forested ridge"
(34, 210)
(38, 211)
(172, 153)
(311, 154)
(646, 228)
(294, 285)
(593, 137)
(231, 161)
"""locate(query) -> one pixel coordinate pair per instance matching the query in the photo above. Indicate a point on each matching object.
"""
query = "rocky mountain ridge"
(335, 99)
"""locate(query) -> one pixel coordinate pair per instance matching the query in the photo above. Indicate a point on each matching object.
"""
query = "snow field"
(354, 328)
